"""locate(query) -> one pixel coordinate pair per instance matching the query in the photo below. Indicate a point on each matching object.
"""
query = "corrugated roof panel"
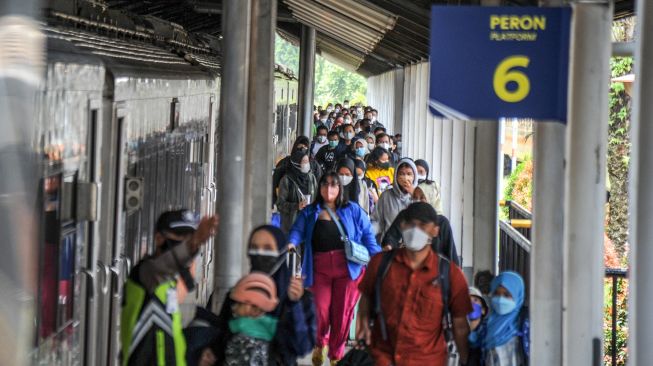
(339, 19)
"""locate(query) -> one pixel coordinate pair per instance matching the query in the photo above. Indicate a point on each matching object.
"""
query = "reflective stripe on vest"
(138, 317)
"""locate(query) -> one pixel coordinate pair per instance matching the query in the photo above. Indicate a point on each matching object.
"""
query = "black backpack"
(445, 285)
(357, 357)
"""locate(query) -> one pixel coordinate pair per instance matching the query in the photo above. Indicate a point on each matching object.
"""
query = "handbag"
(354, 252)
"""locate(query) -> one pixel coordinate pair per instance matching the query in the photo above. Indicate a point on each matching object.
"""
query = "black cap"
(180, 222)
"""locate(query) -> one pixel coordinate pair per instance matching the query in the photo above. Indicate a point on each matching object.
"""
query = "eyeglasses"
(332, 184)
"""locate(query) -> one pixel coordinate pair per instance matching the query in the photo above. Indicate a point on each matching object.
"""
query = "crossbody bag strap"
(335, 219)
(302, 196)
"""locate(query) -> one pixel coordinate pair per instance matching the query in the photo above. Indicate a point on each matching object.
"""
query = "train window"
(174, 114)
(57, 263)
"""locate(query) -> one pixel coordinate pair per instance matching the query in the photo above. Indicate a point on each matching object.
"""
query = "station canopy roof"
(366, 36)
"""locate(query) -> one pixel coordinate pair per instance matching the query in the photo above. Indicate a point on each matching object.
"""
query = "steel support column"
(640, 322)
(584, 198)
(306, 80)
(399, 101)
(233, 138)
(260, 114)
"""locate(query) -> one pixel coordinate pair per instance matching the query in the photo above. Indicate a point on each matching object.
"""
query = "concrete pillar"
(306, 80)
(486, 195)
(547, 238)
(457, 186)
(260, 114)
(20, 78)
(547, 249)
(585, 183)
(640, 321)
(486, 189)
(445, 181)
(467, 242)
(233, 137)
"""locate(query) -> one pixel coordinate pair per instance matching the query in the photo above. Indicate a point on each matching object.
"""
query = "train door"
(65, 281)
(89, 207)
(112, 261)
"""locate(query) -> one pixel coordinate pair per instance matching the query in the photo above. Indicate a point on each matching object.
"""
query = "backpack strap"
(444, 265)
(382, 271)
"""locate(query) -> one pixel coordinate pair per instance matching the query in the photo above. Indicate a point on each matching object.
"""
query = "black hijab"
(294, 173)
(352, 189)
(282, 276)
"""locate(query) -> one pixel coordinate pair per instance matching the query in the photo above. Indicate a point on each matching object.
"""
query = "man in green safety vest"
(151, 330)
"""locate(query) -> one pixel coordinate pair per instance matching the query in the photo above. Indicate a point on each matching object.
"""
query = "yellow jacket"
(382, 178)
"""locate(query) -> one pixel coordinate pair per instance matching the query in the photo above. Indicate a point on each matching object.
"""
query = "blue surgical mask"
(477, 313)
(333, 143)
(503, 305)
(361, 151)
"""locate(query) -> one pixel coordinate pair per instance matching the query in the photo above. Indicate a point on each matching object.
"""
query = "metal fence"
(615, 275)
(514, 255)
(514, 252)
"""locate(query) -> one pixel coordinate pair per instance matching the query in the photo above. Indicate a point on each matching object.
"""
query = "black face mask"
(385, 165)
(184, 272)
(262, 263)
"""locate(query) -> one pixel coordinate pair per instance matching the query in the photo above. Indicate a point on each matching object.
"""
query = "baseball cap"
(180, 222)
(256, 289)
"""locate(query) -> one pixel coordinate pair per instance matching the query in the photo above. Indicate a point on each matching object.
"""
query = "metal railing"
(520, 214)
(514, 252)
(615, 275)
(514, 255)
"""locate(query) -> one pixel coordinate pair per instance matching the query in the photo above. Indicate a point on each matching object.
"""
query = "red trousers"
(336, 295)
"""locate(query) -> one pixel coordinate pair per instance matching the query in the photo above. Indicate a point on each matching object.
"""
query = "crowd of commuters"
(361, 240)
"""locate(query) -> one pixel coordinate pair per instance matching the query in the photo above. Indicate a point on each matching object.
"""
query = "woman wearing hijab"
(368, 196)
(296, 327)
(430, 188)
(282, 167)
(347, 174)
(396, 199)
(503, 335)
(296, 190)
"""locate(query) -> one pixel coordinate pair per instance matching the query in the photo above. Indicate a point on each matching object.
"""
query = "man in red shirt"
(411, 300)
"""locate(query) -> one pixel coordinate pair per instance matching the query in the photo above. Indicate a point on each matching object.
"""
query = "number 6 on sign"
(504, 75)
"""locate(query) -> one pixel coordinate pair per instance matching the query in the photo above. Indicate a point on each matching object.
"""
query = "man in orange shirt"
(412, 301)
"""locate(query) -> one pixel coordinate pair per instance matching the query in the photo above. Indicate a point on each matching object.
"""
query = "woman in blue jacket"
(332, 278)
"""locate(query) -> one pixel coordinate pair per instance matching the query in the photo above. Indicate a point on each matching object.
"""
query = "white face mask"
(337, 110)
(323, 120)
(421, 177)
(305, 168)
(321, 139)
(415, 239)
(358, 130)
(373, 119)
(360, 177)
(346, 179)
(347, 121)
(349, 135)
(370, 146)
(385, 145)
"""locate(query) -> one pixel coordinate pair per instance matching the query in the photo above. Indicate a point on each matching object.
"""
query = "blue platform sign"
(494, 62)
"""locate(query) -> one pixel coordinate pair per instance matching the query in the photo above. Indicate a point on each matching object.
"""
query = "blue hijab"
(502, 328)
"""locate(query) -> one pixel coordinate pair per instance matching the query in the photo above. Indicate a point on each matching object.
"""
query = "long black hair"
(342, 200)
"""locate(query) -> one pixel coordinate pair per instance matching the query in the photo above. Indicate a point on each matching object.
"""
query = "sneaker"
(319, 355)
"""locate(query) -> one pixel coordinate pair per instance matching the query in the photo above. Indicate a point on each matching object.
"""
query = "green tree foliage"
(333, 83)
